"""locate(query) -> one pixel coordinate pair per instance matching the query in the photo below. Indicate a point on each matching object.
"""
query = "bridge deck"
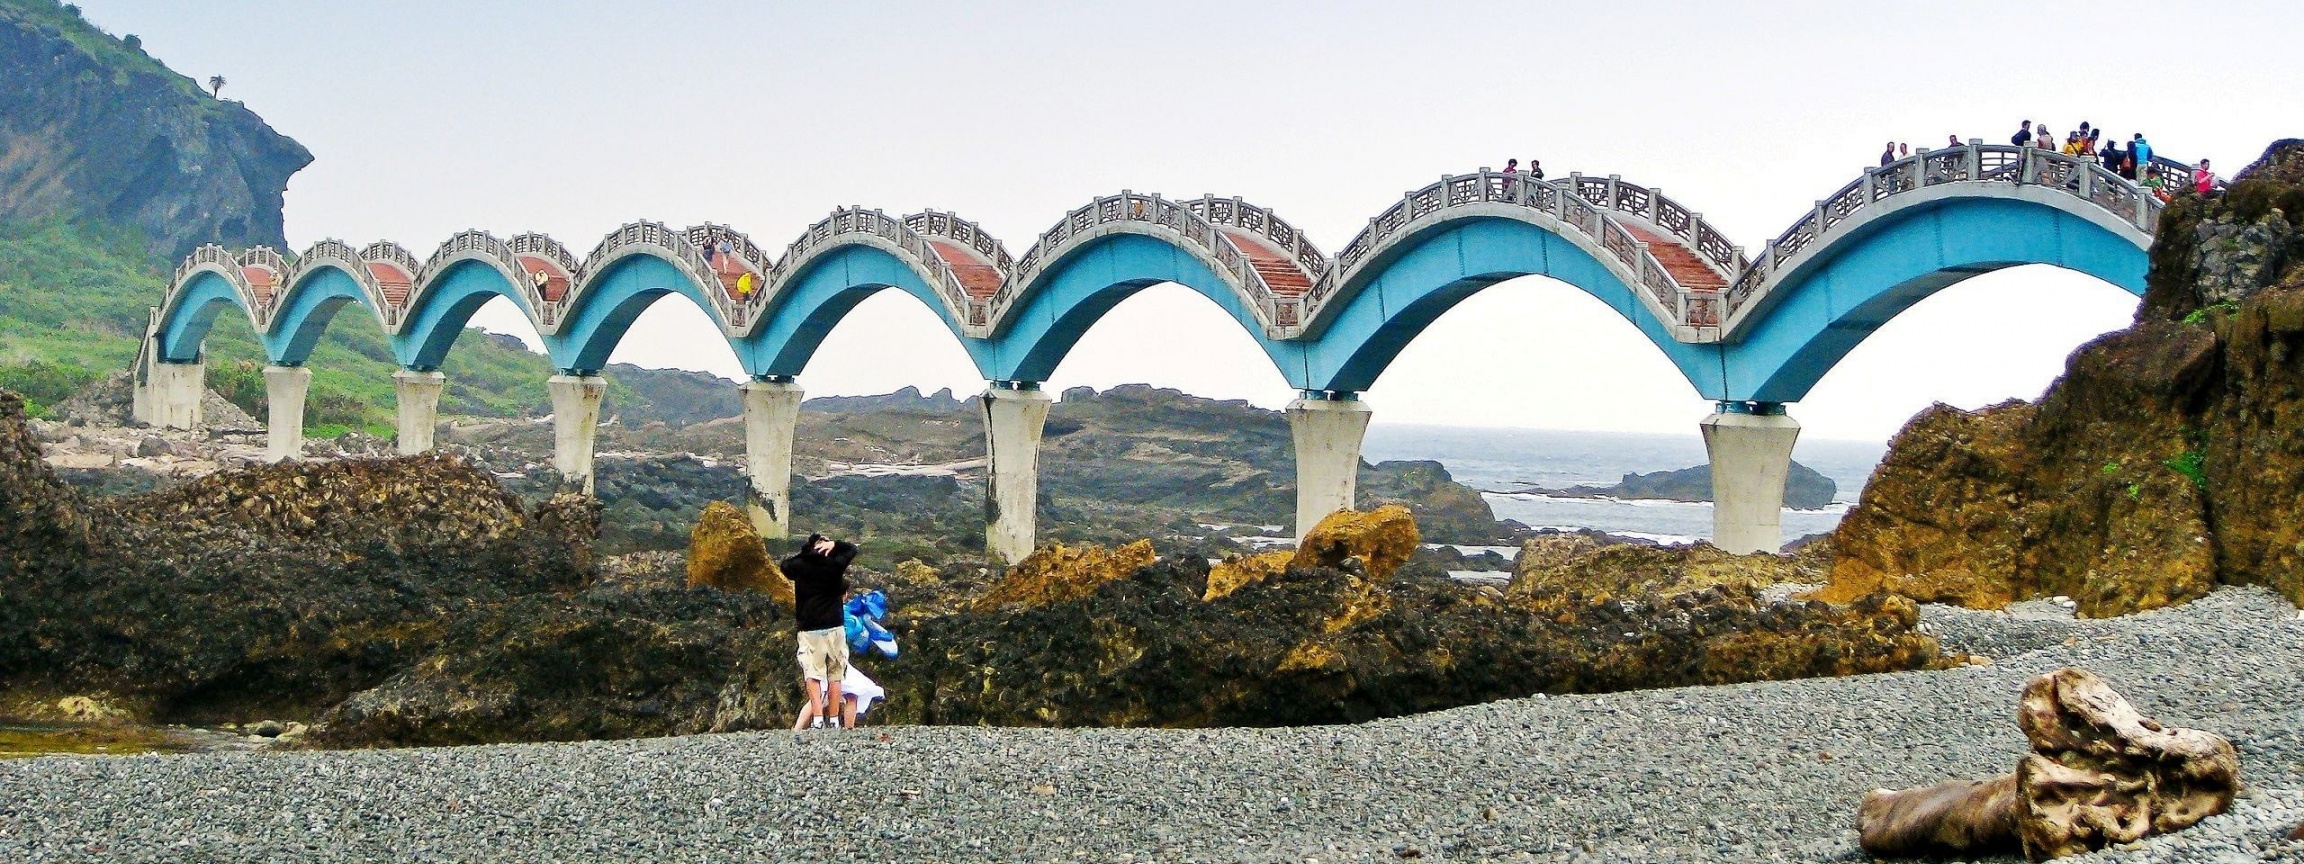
(1280, 274)
(979, 279)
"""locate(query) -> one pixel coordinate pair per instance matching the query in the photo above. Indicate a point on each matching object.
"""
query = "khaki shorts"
(824, 654)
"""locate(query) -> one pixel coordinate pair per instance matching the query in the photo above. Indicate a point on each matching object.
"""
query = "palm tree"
(216, 83)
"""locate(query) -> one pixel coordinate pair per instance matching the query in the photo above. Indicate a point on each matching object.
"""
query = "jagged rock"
(1320, 645)
(2163, 463)
(1595, 569)
(1056, 573)
(154, 445)
(726, 553)
(1382, 539)
(1446, 511)
(2099, 774)
(1236, 572)
(1376, 542)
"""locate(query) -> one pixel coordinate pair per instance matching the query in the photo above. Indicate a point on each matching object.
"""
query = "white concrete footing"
(1327, 434)
(575, 421)
(419, 404)
(284, 389)
(1013, 420)
(169, 394)
(771, 412)
(1751, 453)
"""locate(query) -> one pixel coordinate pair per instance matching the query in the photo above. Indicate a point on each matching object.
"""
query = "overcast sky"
(575, 116)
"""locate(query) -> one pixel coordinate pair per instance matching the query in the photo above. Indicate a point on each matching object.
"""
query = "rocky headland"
(181, 164)
(1805, 488)
(2165, 462)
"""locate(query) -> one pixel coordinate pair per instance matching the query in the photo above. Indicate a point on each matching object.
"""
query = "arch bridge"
(1751, 330)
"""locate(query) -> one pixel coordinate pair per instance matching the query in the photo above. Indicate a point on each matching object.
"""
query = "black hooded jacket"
(819, 583)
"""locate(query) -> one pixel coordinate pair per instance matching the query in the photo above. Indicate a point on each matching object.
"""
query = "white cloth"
(864, 689)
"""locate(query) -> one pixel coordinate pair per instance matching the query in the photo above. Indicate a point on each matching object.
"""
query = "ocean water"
(1496, 461)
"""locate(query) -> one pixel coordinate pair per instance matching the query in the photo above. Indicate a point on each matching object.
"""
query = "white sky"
(574, 117)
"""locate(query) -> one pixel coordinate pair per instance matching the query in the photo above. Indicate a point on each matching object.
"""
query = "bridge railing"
(2082, 177)
(968, 234)
(1129, 206)
(1587, 205)
(856, 220)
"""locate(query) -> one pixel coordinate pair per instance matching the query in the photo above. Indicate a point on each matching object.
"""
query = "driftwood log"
(2099, 773)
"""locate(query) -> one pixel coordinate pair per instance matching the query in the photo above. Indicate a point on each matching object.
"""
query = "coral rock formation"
(1057, 573)
(2164, 462)
(726, 553)
(1382, 539)
(2099, 774)
(1599, 570)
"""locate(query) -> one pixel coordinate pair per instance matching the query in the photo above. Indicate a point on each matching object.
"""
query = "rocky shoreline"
(1749, 772)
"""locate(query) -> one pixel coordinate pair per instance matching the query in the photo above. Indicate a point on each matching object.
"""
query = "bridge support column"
(1013, 419)
(1750, 444)
(575, 421)
(1327, 433)
(168, 394)
(771, 411)
(419, 402)
(284, 388)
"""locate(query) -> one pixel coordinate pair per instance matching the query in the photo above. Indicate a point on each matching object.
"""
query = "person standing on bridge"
(1888, 155)
(1511, 166)
(2023, 137)
(2141, 150)
(2203, 180)
(1535, 169)
(819, 574)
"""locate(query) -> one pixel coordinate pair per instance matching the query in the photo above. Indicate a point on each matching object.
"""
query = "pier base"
(284, 389)
(575, 422)
(1013, 420)
(1751, 451)
(771, 412)
(1327, 433)
(419, 407)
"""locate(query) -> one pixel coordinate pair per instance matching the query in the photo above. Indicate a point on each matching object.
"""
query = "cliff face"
(92, 128)
(2168, 458)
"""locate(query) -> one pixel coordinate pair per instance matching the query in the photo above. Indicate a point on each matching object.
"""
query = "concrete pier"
(284, 389)
(575, 421)
(1327, 434)
(771, 411)
(1751, 451)
(1013, 420)
(419, 404)
(170, 394)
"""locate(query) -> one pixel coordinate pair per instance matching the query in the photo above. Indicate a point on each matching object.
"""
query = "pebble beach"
(1755, 772)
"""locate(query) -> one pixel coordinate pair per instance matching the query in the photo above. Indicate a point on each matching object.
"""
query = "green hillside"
(72, 303)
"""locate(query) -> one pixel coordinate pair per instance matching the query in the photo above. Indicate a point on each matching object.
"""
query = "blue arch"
(1822, 312)
(1076, 291)
(198, 302)
(1427, 276)
(310, 305)
(610, 304)
(814, 301)
(440, 314)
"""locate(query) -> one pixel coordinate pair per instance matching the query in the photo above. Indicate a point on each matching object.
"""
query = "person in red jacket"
(819, 574)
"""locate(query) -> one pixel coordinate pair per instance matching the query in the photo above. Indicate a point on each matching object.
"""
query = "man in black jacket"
(819, 574)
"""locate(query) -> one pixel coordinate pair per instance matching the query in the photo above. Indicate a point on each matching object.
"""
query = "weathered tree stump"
(2099, 774)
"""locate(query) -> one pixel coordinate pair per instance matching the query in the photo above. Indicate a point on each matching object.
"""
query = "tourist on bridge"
(2203, 180)
(819, 574)
(1888, 155)
(1535, 169)
(2156, 183)
(1511, 166)
(2142, 150)
(1952, 140)
(2023, 137)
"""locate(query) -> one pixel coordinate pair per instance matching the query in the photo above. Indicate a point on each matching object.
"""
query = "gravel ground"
(1762, 772)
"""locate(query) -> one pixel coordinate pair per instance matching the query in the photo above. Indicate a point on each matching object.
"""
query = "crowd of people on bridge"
(2132, 160)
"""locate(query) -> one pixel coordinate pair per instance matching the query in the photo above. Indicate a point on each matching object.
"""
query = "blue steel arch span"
(1758, 329)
